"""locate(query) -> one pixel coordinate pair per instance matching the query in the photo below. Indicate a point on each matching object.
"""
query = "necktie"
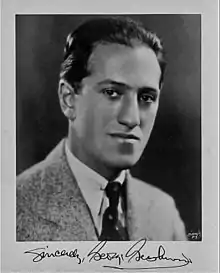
(112, 229)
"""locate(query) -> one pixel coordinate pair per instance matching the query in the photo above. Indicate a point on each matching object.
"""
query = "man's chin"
(123, 163)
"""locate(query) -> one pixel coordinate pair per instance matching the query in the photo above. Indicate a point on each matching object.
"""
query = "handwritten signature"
(98, 253)
(41, 253)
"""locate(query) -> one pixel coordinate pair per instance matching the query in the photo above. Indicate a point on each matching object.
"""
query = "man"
(109, 89)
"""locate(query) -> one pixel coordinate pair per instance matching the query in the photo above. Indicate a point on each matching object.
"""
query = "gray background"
(172, 159)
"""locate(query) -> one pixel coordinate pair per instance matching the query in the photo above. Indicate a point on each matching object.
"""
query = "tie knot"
(113, 192)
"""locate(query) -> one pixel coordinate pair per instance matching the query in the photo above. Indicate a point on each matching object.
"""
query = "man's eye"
(147, 98)
(111, 93)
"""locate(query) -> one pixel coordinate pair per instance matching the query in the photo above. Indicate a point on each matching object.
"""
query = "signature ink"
(133, 255)
(41, 253)
(96, 255)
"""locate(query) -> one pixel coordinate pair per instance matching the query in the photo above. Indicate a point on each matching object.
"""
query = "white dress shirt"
(92, 186)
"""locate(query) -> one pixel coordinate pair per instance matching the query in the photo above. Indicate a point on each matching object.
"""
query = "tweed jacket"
(51, 207)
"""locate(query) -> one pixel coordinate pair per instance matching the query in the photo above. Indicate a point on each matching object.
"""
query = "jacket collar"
(66, 205)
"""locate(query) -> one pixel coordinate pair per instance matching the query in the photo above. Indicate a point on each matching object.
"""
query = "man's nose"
(129, 113)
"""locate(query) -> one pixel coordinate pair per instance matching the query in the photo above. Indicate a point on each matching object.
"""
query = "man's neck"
(106, 172)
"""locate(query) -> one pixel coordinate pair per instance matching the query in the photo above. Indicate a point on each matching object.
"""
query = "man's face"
(117, 106)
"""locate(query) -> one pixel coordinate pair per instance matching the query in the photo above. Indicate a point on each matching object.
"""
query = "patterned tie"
(112, 229)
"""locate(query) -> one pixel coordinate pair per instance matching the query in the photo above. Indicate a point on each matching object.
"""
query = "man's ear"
(67, 99)
(161, 85)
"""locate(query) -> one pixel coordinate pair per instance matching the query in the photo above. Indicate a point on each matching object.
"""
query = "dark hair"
(120, 30)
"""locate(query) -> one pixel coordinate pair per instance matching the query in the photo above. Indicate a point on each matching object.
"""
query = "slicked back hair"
(109, 30)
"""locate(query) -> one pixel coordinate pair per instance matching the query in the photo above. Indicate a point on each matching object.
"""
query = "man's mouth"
(126, 137)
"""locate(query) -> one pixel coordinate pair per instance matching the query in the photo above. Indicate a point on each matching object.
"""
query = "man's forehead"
(119, 62)
(108, 52)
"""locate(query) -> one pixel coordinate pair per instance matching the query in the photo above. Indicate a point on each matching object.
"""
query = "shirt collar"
(91, 183)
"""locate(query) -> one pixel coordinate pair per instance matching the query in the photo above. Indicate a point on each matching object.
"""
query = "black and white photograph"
(123, 161)
(109, 151)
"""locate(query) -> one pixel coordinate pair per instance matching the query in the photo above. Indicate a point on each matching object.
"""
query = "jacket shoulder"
(28, 192)
(159, 211)
(30, 178)
(151, 192)
(34, 188)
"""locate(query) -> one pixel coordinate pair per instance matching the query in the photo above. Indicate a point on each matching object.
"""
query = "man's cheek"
(147, 129)
(105, 121)
(148, 119)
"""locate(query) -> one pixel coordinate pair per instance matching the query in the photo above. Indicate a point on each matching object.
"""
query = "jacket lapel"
(66, 206)
(137, 210)
(132, 224)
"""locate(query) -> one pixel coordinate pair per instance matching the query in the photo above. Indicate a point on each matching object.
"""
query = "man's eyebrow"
(108, 81)
(148, 89)
(124, 85)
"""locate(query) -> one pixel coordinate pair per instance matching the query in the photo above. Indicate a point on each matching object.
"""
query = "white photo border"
(203, 254)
